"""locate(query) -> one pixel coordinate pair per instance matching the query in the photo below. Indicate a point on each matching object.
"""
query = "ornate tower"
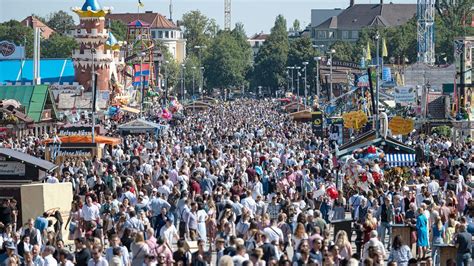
(92, 53)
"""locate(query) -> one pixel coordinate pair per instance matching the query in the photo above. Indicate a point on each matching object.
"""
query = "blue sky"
(257, 15)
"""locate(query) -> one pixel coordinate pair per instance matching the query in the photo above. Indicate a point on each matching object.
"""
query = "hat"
(310, 213)
(155, 190)
(10, 245)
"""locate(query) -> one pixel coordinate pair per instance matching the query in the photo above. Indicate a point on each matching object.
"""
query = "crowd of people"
(243, 184)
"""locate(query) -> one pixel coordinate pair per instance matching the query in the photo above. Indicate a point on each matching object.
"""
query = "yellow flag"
(368, 57)
(140, 4)
(384, 48)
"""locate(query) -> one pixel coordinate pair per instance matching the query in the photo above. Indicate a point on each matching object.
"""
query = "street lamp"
(166, 82)
(292, 79)
(305, 85)
(94, 96)
(317, 59)
(259, 91)
(298, 74)
(183, 81)
(201, 89)
(192, 93)
(377, 68)
(331, 52)
(142, 54)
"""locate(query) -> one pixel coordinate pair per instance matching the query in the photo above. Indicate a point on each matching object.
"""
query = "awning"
(402, 159)
(88, 139)
(130, 109)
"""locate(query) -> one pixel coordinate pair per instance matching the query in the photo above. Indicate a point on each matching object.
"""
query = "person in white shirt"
(169, 233)
(274, 233)
(52, 179)
(48, 256)
(241, 256)
(97, 258)
(249, 203)
(374, 242)
(90, 211)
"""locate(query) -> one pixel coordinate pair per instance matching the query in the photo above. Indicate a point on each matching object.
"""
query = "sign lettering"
(12, 168)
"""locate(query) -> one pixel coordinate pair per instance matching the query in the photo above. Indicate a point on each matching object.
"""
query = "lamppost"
(94, 96)
(141, 84)
(192, 93)
(305, 85)
(166, 82)
(330, 73)
(298, 74)
(183, 81)
(259, 91)
(292, 79)
(287, 80)
(377, 39)
(317, 59)
(318, 47)
(201, 89)
(199, 48)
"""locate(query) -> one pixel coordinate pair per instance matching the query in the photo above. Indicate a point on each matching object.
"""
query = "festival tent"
(141, 126)
(389, 145)
(294, 107)
(208, 100)
(198, 105)
(303, 116)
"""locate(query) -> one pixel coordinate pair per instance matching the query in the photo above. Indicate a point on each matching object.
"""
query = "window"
(355, 34)
(153, 34)
(160, 34)
(331, 35)
(345, 34)
(167, 34)
(257, 44)
(322, 34)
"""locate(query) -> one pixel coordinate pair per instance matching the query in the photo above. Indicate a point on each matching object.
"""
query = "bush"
(443, 131)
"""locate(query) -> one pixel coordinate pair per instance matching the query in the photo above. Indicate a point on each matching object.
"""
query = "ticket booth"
(18, 169)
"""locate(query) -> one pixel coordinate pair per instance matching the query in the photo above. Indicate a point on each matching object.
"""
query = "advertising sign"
(405, 95)
(9, 50)
(317, 123)
(401, 126)
(75, 131)
(12, 168)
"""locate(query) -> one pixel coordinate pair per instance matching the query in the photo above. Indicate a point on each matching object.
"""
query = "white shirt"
(433, 188)
(90, 213)
(102, 262)
(274, 234)
(250, 204)
(168, 233)
(52, 180)
(50, 261)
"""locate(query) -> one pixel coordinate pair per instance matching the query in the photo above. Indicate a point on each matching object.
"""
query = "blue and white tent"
(402, 159)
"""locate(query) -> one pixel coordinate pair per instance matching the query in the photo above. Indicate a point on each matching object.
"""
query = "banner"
(401, 126)
(386, 74)
(405, 95)
(75, 131)
(12, 168)
(355, 119)
(141, 70)
(9, 50)
(317, 123)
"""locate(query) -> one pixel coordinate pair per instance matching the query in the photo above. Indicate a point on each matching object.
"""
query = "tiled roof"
(33, 22)
(259, 36)
(156, 20)
(363, 15)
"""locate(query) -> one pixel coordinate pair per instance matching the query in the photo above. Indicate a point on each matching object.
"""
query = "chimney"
(381, 2)
(351, 4)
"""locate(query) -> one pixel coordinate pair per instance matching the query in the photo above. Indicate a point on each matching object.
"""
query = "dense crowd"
(243, 184)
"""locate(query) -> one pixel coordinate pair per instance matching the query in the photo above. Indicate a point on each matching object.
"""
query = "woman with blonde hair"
(450, 230)
(437, 237)
(299, 235)
(369, 225)
(345, 248)
(139, 250)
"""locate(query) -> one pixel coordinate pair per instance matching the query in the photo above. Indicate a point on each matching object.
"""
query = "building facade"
(256, 42)
(162, 29)
(345, 25)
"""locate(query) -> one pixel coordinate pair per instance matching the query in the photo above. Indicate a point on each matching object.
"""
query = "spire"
(91, 8)
(92, 5)
(112, 42)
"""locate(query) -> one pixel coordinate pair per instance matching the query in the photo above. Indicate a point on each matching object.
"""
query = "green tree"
(61, 22)
(192, 71)
(271, 60)
(15, 32)
(344, 51)
(296, 26)
(169, 67)
(118, 29)
(198, 31)
(58, 46)
(228, 60)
